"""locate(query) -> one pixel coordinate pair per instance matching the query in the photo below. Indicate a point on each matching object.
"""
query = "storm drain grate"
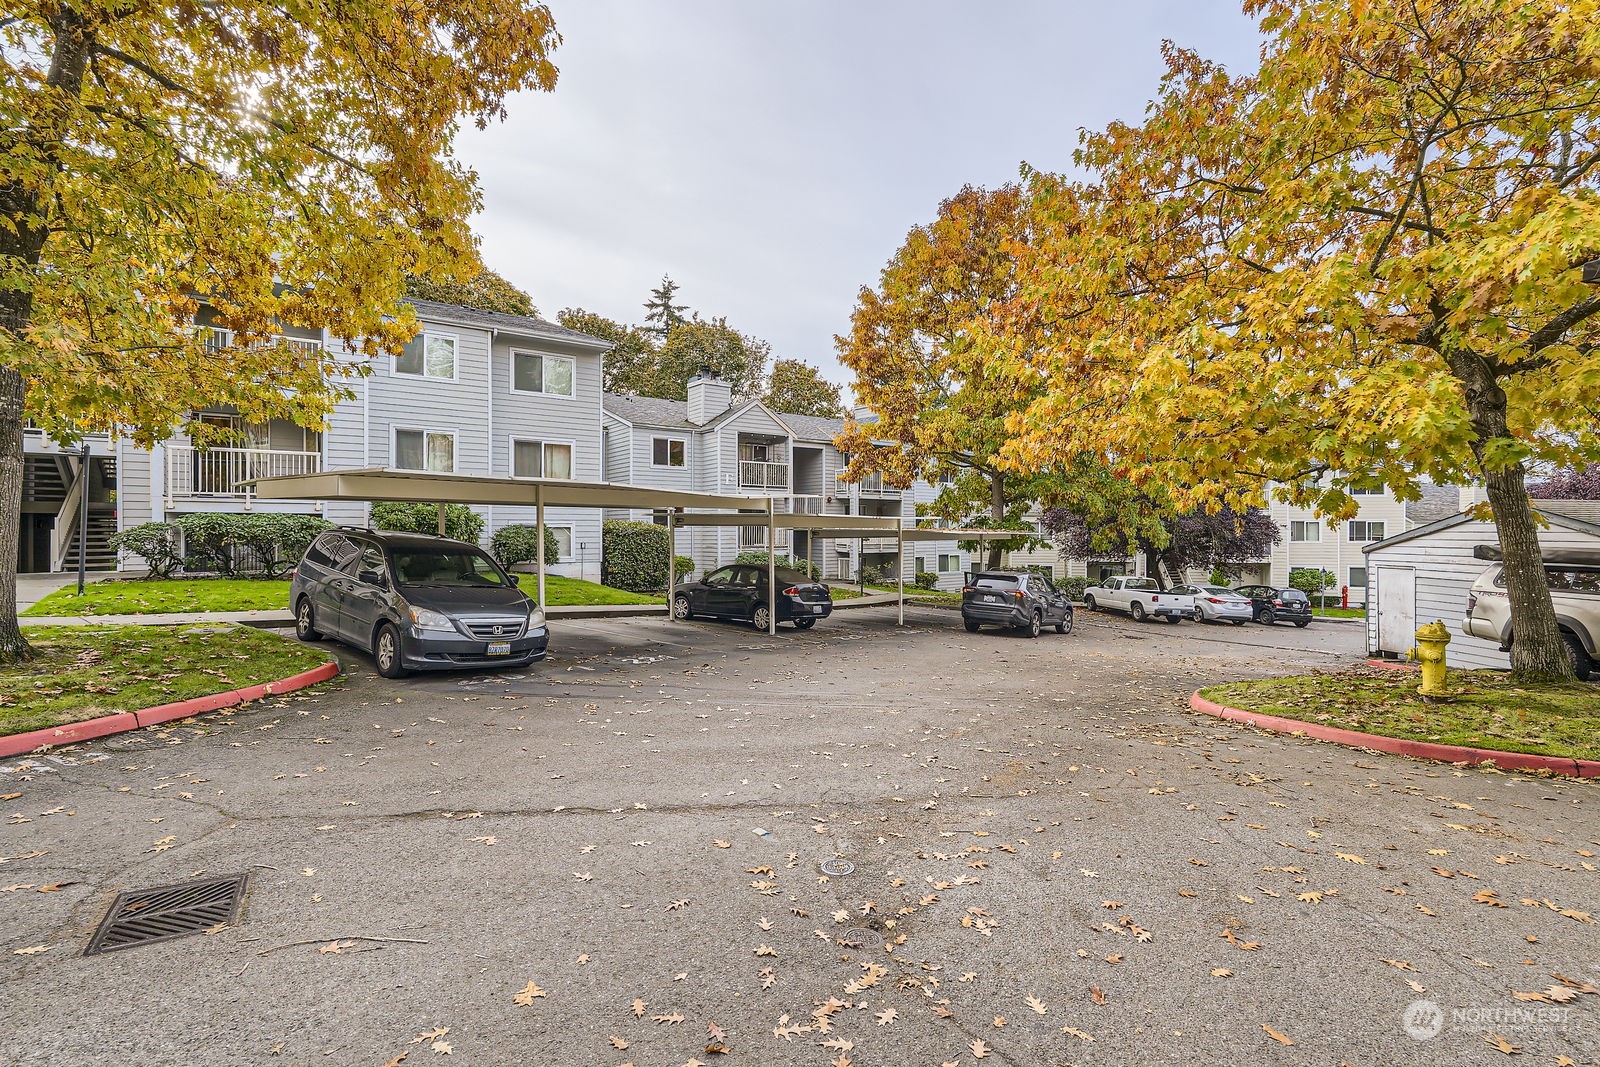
(145, 916)
(836, 868)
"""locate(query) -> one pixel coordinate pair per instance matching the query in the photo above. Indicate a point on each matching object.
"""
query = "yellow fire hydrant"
(1429, 652)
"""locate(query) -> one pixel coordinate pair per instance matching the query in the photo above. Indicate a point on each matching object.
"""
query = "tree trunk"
(997, 512)
(1538, 651)
(23, 237)
(1152, 567)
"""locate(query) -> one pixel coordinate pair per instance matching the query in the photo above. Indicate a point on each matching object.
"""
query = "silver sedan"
(1216, 603)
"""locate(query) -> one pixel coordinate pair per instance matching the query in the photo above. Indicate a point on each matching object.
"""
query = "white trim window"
(425, 450)
(949, 563)
(540, 459)
(428, 355)
(1358, 577)
(563, 536)
(669, 452)
(1305, 531)
(536, 372)
(1366, 530)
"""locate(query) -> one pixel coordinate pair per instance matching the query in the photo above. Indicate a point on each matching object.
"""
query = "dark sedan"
(740, 592)
(1272, 604)
(1019, 600)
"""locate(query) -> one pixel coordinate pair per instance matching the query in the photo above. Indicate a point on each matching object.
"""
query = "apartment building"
(709, 443)
(474, 393)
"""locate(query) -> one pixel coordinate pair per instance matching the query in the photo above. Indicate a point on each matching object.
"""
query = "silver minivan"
(415, 601)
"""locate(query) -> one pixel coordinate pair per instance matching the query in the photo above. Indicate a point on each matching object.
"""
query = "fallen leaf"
(979, 1049)
(1096, 994)
(670, 1020)
(1500, 1043)
(31, 951)
(1221, 972)
(1038, 1005)
(617, 1043)
(638, 1008)
(1282, 1039)
(335, 948)
(528, 994)
(886, 1016)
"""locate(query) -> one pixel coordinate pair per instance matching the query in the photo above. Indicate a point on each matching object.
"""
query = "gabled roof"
(650, 411)
(528, 325)
(1554, 511)
(811, 427)
(1438, 502)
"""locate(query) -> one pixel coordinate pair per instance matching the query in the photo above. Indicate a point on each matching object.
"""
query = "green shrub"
(235, 544)
(877, 575)
(520, 544)
(275, 541)
(783, 562)
(1311, 580)
(926, 580)
(683, 566)
(460, 521)
(1073, 587)
(157, 542)
(633, 556)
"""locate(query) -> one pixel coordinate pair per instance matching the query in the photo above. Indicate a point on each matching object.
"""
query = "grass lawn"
(153, 596)
(81, 672)
(1340, 613)
(118, 596)
(1488, 710)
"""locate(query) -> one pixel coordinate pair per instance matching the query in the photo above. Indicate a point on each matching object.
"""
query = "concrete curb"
(21, 744)
(1511, 761)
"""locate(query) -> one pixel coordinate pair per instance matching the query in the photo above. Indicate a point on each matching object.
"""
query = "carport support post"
(772, 567)
(439, 510)
(900, 565)
(672, 559)
(538, 505)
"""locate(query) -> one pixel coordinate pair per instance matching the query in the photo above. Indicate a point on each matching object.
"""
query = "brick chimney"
(709, 396)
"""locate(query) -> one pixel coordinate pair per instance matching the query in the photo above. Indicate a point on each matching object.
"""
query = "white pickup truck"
(1139, 597)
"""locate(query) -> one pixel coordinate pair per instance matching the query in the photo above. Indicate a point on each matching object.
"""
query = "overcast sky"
(771, 157)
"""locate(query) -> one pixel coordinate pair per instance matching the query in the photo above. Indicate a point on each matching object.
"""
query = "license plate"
(991, 599)
(499, 648)
(817, 610)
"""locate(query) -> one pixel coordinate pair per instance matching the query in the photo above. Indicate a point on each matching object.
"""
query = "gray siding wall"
(1445, 570)
(135, 491)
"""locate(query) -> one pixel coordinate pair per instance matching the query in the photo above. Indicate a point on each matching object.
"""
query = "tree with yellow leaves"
(941, 402)
(290, 165)
(1359, 265)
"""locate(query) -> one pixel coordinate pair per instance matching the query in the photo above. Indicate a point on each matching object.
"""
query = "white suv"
(1574, 577)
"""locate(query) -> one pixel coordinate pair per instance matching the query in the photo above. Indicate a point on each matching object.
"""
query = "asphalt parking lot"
(615, 857)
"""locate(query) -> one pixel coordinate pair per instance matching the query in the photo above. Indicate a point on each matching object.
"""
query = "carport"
(384, 484)
(842, 527)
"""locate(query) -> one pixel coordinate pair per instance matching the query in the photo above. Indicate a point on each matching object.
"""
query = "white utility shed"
(1426, 574)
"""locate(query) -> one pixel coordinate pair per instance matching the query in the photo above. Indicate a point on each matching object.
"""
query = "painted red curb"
(19, 744)
(1393, 664)
(1515, 761)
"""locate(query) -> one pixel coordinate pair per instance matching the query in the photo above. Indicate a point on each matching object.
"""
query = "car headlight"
(535, 618)
(428, 619)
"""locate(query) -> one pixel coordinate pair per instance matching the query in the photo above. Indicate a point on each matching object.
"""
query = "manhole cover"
(836, 868)
(855, 937)
(145, 916)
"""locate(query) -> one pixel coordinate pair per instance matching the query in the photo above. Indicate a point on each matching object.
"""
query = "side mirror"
(515, 580)
(372, 578)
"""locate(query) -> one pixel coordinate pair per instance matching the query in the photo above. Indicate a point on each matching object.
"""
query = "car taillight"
(1472, 602)
(295, 573)
(1213, 600)
(1018, 594)
(793, 590)
(968, 589)
(1155, 597)
(1277, 603)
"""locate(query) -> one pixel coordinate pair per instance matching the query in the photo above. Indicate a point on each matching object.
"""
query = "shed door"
(1397, 609)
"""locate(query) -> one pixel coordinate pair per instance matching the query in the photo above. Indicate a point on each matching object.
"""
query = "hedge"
(633, 556)
(460, 521)
(520, 544)
(926, 580)
(783, 562)
(220, 542)
(157, 542)
(1073, 587)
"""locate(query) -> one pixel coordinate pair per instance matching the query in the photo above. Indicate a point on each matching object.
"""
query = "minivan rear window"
(995, 581)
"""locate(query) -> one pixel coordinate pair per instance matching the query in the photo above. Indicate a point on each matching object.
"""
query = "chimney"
(709, 396)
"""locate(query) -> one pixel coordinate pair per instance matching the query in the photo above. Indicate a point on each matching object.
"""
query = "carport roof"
(383, 483)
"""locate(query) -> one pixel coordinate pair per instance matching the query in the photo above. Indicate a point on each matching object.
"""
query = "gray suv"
(1574, 578)
(415, 602)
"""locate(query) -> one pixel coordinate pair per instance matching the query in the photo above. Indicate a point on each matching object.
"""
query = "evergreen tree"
(660, 312)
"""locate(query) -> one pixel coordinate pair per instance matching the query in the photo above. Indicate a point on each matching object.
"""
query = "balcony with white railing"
(871, 485)
(214, 472)
(756, 475)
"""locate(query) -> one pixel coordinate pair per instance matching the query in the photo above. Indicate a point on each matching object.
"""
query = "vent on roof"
(145, 916)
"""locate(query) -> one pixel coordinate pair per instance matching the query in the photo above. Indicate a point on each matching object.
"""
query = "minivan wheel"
(386, 652)
(1267, 616)
(681, 608)
(305, 622)
(761, 617)
(1582, 665)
